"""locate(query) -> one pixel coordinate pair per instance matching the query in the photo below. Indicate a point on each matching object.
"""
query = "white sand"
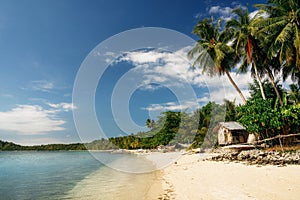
(191, 178)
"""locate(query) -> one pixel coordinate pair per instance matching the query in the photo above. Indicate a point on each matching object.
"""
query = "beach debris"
(257, 157)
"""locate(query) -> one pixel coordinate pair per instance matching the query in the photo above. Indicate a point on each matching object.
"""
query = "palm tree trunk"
(259, 81)
(235, 86)
(271, 77)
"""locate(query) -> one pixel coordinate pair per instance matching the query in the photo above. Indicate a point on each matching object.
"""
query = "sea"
(75, 175)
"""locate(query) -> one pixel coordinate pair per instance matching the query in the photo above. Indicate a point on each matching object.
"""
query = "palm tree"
(280, 32)
(150, 123)
(272, 67)
(213, 44)
(246, 46)
(294, 94)
(230, 110)
(268, 88)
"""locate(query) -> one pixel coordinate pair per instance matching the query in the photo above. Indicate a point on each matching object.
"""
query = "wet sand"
(114, 183)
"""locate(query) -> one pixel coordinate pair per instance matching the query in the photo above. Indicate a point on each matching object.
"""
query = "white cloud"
(41, 85)
(160, 67)
(166, 69)
(63, 106)
(252, 14)
(223, 12)
(108, 56)
(257, 14)
(172, 106)
(140, 57)
(221, 88)
(204, 99)
(220, 10)
(31, 120)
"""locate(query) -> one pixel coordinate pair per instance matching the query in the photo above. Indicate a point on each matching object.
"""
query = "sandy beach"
(180, 176)
(191, 178)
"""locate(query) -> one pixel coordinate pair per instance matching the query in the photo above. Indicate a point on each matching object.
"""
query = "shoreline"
(184, 175)
(119, 180)
(193, 178)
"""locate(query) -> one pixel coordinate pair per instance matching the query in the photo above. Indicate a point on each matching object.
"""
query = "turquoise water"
(42, 175)
(72, 175)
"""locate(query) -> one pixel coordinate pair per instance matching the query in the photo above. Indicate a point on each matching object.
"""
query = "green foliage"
(294, 94)
(180, 127)
(264, 119)
(103, 144)
(281, 30)
(268, 89)
(162, 133)
(258, 117)
(9, 146)
(208, 117)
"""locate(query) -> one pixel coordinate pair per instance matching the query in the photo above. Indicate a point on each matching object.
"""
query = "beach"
(186, 176)
(192, 178)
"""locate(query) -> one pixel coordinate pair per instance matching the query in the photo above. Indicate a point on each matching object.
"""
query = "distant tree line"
(9, 146)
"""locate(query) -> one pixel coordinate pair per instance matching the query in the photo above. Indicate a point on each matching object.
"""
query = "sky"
(46, 46)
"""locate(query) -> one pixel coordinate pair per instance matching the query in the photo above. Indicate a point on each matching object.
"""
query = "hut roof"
(232, 125)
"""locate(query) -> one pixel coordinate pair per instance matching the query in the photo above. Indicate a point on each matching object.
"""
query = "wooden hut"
(231, 133)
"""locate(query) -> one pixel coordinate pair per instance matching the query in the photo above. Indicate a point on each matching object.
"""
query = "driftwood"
(278, 137)
(273, 138)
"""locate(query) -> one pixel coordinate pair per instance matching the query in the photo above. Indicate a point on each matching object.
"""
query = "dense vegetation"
(266, 118)
(9, 146)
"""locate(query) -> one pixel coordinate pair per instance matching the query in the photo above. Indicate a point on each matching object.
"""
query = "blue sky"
(43, 44)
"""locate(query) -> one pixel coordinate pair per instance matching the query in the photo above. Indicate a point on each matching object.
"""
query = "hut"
(231, 133)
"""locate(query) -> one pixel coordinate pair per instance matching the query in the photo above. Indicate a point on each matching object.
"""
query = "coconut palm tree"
(294, 94)
(280, 31)
(214, 44)
(246, 46)
(150, 123)
(271, 66)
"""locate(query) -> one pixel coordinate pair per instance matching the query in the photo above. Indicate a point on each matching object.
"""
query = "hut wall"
(222, 136)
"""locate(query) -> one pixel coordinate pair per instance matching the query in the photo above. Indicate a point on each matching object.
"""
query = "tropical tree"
(214, 44)
(230, 109)
(260, 118)
(246, 46)
(294, 94)
(280, 32)
(268, 88)
(150, 123)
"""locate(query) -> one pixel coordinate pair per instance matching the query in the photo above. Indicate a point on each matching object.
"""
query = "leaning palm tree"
(280, 31)
(246, 46)
(214, 44)
(272, 67)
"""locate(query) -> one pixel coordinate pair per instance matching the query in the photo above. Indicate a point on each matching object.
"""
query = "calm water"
(42, 175)
(69, 175)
